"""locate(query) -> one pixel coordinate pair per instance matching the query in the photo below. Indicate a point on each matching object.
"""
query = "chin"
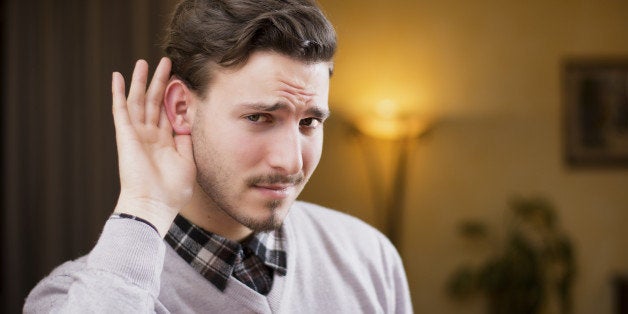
(272, 216)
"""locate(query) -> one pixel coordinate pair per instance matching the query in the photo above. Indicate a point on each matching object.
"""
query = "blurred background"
(448, 133)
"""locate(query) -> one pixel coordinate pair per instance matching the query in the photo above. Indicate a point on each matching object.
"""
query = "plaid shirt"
(252, 262)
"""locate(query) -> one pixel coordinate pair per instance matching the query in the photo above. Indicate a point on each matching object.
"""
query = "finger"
(164, 122)
(119, 108)
(155, 93)
(135, 101)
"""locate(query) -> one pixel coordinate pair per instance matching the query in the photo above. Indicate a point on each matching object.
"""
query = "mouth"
(274, 191)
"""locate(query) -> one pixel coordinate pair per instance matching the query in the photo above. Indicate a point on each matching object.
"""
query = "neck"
(203, 212)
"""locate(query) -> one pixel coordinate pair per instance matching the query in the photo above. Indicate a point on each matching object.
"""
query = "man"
(212, 158)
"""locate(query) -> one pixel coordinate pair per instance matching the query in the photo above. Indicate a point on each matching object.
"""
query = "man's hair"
(205, 33)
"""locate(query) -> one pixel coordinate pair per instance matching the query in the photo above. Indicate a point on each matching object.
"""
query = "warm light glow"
(385, 78)
(389, 121)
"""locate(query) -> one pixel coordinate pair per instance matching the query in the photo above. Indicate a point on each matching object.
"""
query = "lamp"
(389, 123)
(387, 126)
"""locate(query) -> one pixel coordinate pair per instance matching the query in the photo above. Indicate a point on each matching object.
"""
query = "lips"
(275, 186)
(274, 191)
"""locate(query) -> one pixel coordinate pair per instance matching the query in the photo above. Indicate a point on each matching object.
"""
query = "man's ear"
(178, 101)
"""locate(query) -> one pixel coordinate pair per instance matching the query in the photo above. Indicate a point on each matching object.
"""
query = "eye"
(258, 118)
(310, 122)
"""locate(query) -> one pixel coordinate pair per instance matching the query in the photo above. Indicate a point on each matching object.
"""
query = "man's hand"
(157, 169)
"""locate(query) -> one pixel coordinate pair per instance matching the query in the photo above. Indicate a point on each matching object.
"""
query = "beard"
(218, 192)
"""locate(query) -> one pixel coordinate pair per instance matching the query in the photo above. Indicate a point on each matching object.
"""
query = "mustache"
(276, 178)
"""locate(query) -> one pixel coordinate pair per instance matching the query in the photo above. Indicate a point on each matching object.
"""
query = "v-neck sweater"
(336, 264)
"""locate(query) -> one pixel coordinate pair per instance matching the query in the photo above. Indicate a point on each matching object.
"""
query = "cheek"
(311, 152)
(241, 148)
(221, 142)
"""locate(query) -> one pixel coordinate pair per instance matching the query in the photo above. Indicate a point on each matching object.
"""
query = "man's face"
(258, 136)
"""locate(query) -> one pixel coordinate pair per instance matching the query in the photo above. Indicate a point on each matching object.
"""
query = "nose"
(284, 151)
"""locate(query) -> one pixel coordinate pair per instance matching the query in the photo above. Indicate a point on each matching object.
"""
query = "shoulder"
(316, 222)
(328, 243)
(329, 219)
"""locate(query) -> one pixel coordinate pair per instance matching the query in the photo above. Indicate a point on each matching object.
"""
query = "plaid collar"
(217, 258)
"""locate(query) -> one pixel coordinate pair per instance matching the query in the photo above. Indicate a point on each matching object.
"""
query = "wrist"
(157, 215)
(127, 216)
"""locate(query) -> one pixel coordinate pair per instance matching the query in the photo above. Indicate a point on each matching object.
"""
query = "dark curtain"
(59, 167)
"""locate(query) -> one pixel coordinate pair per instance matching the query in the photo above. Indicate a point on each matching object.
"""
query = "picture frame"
(596, 112)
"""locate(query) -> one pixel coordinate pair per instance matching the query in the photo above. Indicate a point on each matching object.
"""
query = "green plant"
(531, 268)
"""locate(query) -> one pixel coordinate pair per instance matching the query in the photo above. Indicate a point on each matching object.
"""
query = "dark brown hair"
(205, 33)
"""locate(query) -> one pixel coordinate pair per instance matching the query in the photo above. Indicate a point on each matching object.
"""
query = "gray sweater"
(336, 264)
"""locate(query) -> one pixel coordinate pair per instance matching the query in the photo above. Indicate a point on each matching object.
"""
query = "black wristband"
(127, 216)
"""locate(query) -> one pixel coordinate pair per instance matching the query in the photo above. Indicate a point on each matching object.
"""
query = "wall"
(59, 164)
(490, 72)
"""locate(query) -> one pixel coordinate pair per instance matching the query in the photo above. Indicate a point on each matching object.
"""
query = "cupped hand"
(157, 169)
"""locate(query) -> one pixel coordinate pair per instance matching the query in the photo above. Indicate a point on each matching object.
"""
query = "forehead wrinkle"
(296, 88)
(296, 98)
(294, 92)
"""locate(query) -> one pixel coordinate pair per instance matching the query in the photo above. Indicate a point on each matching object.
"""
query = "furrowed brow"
(264, 107)
(319, 113)
(316, 112)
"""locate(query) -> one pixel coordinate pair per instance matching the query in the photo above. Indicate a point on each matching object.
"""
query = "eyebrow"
(315, 111)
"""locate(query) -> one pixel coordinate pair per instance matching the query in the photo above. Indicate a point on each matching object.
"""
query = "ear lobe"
(177, 102)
